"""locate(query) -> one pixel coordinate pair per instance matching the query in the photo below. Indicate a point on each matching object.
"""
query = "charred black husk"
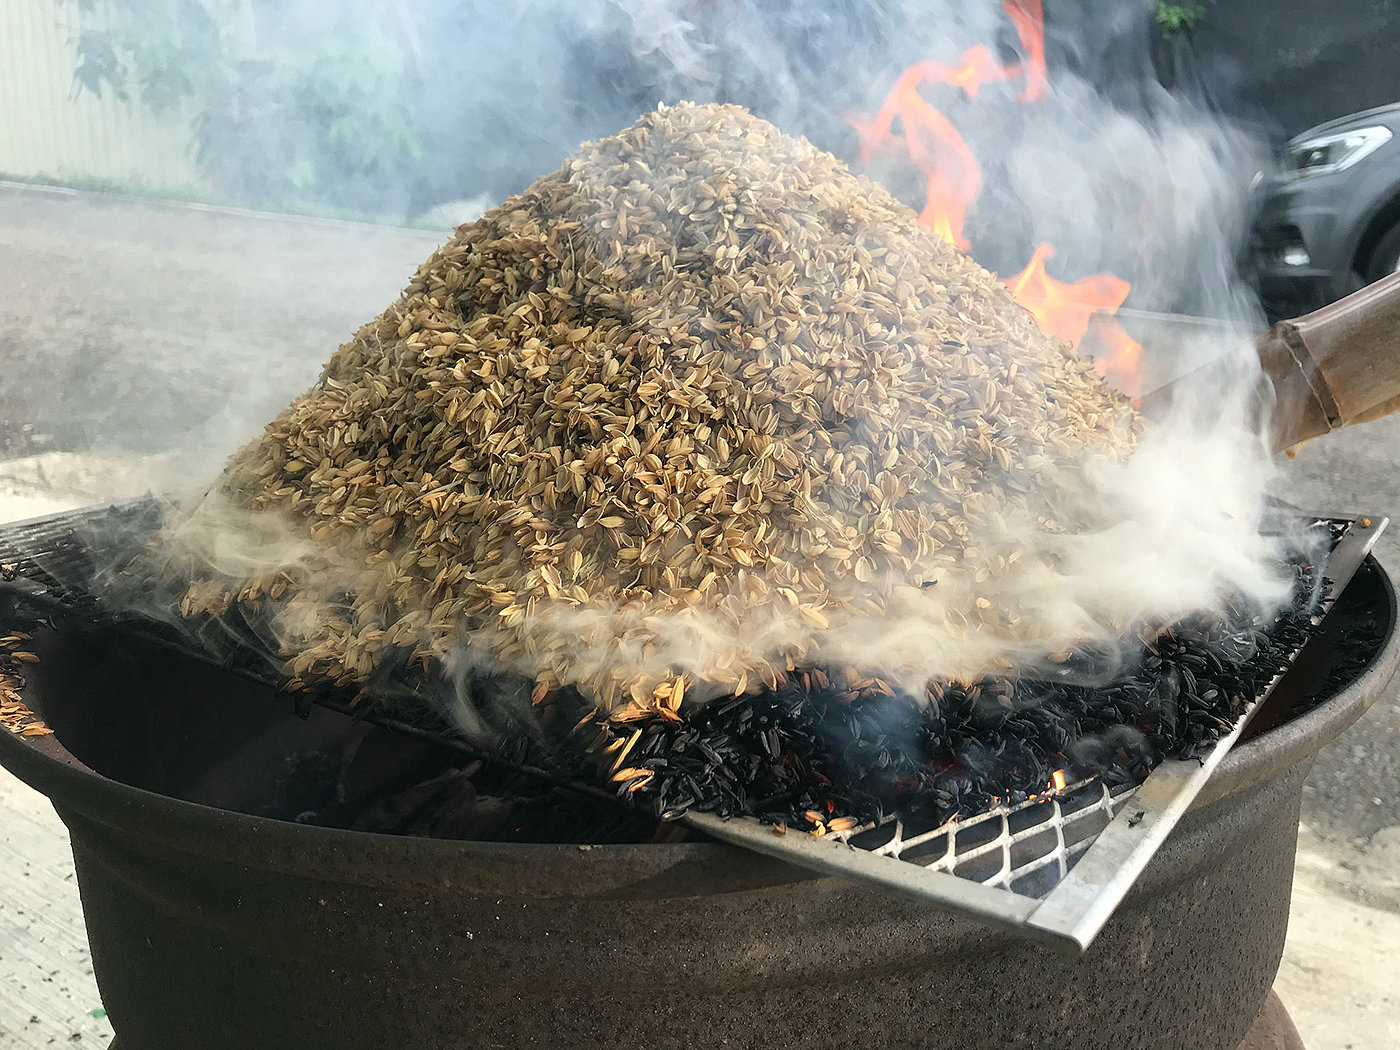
(812, 751)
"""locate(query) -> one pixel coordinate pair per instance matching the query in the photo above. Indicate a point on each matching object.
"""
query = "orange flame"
(1120, 360)
(1066, 311)
(1030, 27)
(952, 177)
(1057, 783)
(1063, 310)
(953, 180)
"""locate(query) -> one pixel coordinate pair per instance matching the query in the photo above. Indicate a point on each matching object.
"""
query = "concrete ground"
(141, 342)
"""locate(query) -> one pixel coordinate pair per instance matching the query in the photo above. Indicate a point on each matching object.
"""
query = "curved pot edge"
(1303, 737)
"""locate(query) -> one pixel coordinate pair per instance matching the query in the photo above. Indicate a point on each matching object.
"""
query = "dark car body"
(1319, 234)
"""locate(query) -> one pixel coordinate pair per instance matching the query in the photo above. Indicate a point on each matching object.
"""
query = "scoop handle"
(1335, 366)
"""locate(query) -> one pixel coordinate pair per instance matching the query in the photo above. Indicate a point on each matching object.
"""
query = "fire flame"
(1067, 311)
(1119, 360)
(1056, 784)
(1030, 27)
(1064, 310)
(953, 180)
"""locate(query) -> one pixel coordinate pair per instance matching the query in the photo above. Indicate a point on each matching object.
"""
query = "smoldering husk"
(700, 403)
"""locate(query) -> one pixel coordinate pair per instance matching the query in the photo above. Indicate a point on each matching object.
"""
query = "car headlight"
(1324, 154)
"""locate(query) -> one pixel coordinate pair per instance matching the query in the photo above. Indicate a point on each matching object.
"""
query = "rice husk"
(676, 417)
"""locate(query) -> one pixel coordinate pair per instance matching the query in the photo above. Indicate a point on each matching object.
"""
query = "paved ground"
(47, 993)
(129, 325)
(1354, 792)
(162, 336)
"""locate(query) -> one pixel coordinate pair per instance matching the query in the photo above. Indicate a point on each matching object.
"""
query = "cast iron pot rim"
(77, 790)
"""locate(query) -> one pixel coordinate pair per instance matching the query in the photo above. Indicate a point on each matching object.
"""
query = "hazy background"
(426, 113)
(132, 328)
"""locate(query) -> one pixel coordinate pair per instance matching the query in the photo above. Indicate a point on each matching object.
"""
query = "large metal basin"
(213, 928)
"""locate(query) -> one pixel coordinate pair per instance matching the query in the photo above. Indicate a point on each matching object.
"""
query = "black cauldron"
(214, 924)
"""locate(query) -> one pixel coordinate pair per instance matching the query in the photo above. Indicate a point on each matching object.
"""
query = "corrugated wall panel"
(48, 129)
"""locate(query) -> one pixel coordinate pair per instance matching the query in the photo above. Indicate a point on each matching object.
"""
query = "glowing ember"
(953, 180)
(1057, 780)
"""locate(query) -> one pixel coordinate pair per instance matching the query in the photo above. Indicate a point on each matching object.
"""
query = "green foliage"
(1175, 19)
(294, 106)
(161, 47)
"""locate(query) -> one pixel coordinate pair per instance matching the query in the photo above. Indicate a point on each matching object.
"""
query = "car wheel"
(1386, 257)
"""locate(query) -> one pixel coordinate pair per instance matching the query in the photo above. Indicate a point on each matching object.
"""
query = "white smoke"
(1149, 188)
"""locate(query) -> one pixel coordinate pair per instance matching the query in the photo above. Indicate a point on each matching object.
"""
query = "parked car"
(1329, 221)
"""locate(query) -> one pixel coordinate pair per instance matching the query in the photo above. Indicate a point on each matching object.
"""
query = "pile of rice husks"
(696, 409)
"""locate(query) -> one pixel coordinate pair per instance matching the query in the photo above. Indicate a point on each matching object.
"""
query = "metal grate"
(58, 550)
(1013, 848)
(1054, 867)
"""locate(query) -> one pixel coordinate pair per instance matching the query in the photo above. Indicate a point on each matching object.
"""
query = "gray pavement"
(141, 342)
(1354, 790)
(134, 325)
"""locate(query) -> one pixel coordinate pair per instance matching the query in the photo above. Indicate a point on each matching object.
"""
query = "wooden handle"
(1330, 368)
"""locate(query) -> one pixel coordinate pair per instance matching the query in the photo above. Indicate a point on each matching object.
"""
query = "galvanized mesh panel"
(1013, 848)
(1051, 867)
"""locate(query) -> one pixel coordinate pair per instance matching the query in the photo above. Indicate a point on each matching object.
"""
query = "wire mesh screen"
(1056, 866)
(1025, 848)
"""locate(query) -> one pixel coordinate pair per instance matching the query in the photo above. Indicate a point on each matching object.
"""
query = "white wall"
(49, 129)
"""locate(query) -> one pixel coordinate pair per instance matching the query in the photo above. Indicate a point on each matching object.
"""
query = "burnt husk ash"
(818, 748)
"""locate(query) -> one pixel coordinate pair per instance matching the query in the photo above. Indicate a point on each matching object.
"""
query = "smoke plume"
(1122, 178)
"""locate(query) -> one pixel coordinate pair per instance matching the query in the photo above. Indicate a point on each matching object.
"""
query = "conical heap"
(677, 415)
